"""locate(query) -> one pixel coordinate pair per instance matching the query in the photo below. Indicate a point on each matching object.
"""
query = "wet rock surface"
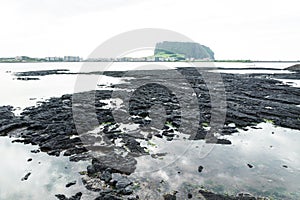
(25, 178)
(42, 72)
(52, 126)
(71, 184)
(75, 197)
(294, 67)
(27, 75)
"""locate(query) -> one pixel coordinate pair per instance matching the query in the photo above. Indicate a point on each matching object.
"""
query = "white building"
(54, 59)
(71, 59)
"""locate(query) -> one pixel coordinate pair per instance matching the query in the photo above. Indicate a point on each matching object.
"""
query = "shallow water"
(225, 167)
(49, 174)
(22, 94)
(290, 82)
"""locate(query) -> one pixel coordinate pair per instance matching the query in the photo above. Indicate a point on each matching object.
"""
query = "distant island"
(183, 51)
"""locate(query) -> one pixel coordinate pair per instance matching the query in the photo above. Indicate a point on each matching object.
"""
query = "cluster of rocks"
(252, 99)
(294, 68)
(31, 74)
(56, 130)
(77, 196)
(42, 72)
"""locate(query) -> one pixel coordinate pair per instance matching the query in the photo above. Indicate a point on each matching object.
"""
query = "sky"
(233, 29)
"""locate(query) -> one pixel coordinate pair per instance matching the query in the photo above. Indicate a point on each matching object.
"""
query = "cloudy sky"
(233, 29)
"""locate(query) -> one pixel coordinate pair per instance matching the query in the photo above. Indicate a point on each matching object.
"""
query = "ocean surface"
(275, 157)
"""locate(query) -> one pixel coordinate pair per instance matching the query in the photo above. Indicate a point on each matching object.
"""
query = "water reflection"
(272, 151)
(290, 82)
(49, 175)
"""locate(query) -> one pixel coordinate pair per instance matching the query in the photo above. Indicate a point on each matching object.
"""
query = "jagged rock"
(77, 196)
(115, 162)
(71, 184)
(25, 178)
(169, 197)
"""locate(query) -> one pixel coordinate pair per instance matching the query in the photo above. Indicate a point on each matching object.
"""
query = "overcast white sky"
(233, 29)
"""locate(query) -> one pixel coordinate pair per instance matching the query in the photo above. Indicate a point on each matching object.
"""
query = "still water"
(49, 175)
(273, 152)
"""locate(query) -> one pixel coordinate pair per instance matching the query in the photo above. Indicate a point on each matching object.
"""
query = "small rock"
(158, 135)
(91, 169)
(117, 163)
(122, 183)
(29, 160)
(224, 141)
(76, 197)
(169, 197)
(133, 198)
(105, 192)
(25, 178)
(190, 196)
(126, 191)
(200, 168)
(108, 197)
(149, 136)
(70, 184)
(35, 151)
(246, 196)
(54, 153)
(168, 134)
(250, 166)
(106, 176)
(285, 166)
(63, 197)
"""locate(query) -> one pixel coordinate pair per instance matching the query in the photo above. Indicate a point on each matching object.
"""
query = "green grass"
(169, 55)
(204, 124)
(269, 121)
(106, 123)
(151, 144)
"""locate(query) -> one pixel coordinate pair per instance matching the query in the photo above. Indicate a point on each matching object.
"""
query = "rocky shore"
(250, 99)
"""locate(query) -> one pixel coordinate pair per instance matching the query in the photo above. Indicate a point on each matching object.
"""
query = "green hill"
(184, 49)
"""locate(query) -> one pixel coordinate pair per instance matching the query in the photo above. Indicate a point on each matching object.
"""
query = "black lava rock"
(200, 168)
(71, 184)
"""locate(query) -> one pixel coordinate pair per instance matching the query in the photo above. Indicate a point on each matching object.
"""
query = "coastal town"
(24, 59)
(164, 52)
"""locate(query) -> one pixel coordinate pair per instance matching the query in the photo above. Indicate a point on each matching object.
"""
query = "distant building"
(150, 59)
(54, 59)
(72, 59)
